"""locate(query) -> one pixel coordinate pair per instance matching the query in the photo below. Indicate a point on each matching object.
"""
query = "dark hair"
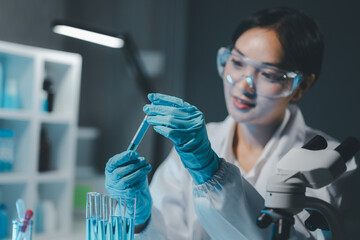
(298, 34)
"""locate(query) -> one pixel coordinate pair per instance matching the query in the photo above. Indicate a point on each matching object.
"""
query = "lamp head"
(87, 34)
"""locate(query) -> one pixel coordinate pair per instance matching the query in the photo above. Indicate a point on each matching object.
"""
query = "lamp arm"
(133, 57)
(146, 86)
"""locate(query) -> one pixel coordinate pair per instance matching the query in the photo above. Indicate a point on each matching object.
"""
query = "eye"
(237, 62)
(273, 76)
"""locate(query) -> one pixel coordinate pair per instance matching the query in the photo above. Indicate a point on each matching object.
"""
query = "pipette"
(139, 134)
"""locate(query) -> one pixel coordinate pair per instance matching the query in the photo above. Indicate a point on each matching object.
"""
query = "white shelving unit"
(29, 66)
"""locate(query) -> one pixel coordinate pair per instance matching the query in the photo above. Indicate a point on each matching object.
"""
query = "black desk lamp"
(123, 41)
(116, 41)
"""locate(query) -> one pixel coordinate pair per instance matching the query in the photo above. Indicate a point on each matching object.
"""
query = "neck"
(250, 140)
(255, 136)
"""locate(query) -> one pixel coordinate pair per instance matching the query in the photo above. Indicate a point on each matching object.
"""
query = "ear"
(304, 86)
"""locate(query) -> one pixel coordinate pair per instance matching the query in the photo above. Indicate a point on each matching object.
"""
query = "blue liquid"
(116, 227)
(127, 228)
(139, 134)
(91, 229)
(108, 231)
(119, 228)
(100, 230)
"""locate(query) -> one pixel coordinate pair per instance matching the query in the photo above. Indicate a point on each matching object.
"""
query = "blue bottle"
(3, 221)
(7, 152)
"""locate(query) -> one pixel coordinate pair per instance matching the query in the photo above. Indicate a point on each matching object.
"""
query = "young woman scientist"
(221, 169)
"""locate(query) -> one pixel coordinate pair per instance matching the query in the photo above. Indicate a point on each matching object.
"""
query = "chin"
(241, 116)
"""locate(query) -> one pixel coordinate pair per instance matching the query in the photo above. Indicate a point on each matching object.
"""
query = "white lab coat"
(228, 204)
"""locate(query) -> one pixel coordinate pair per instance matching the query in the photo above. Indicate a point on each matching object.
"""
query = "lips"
(242, 104)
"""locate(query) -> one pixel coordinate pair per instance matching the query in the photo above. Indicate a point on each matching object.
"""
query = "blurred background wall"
(181, 38)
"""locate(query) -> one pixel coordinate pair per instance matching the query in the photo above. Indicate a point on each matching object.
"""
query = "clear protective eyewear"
(263, 79)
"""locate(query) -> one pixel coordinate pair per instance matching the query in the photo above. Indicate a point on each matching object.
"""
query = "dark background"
(187, 33)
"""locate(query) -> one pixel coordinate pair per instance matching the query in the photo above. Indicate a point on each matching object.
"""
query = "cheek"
(227, 91)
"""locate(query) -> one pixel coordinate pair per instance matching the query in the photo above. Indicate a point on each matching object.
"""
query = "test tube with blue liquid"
(128, 207)
(122, 218)
(139, 134)
(103, 220)
(115, 216)
(93, 201)
(107, 230)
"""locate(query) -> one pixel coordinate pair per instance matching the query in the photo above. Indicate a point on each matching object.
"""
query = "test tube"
(128, 208)
(93, 201)
(115, 216)
(139, 134)
(105, 223)
(16, 232)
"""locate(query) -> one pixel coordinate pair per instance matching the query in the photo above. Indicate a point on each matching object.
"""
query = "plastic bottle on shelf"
(48, 95)
(7, 151)
(11, 94)
(44, 152)
(45, 217)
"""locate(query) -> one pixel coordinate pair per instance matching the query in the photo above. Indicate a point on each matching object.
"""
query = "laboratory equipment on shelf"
(22, 227)
(311, 166)
(109, 218)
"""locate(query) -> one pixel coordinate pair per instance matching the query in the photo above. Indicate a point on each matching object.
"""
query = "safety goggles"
(263, 79)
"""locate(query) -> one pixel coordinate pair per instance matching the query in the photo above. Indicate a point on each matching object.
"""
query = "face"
(242, 103)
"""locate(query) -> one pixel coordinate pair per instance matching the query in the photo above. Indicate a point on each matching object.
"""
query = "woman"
(275, 56)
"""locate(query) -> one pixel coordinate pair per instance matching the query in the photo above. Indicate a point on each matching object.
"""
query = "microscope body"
(312, 166)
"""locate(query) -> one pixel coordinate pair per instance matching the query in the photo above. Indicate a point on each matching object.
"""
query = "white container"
(11, 94)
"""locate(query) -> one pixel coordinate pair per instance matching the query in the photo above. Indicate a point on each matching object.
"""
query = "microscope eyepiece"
(348, 148)
(316, 143)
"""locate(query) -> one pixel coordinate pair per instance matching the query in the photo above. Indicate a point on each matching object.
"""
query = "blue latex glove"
(184, 124)
(126, 176)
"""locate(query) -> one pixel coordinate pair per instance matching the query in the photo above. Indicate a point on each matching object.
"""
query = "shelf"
(55, 118)
(59, 141)
(23, 141)
(53, 176)
(13, 114)
(24, 68)
(10, 178)
(21, 70)
(64, 87)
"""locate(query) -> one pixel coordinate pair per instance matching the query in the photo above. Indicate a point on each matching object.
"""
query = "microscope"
(311, 166)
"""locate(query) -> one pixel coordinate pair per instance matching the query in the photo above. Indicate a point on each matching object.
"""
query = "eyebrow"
(267, 63)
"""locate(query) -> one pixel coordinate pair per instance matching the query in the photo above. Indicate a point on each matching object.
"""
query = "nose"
(248, 84)
(250, 81)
